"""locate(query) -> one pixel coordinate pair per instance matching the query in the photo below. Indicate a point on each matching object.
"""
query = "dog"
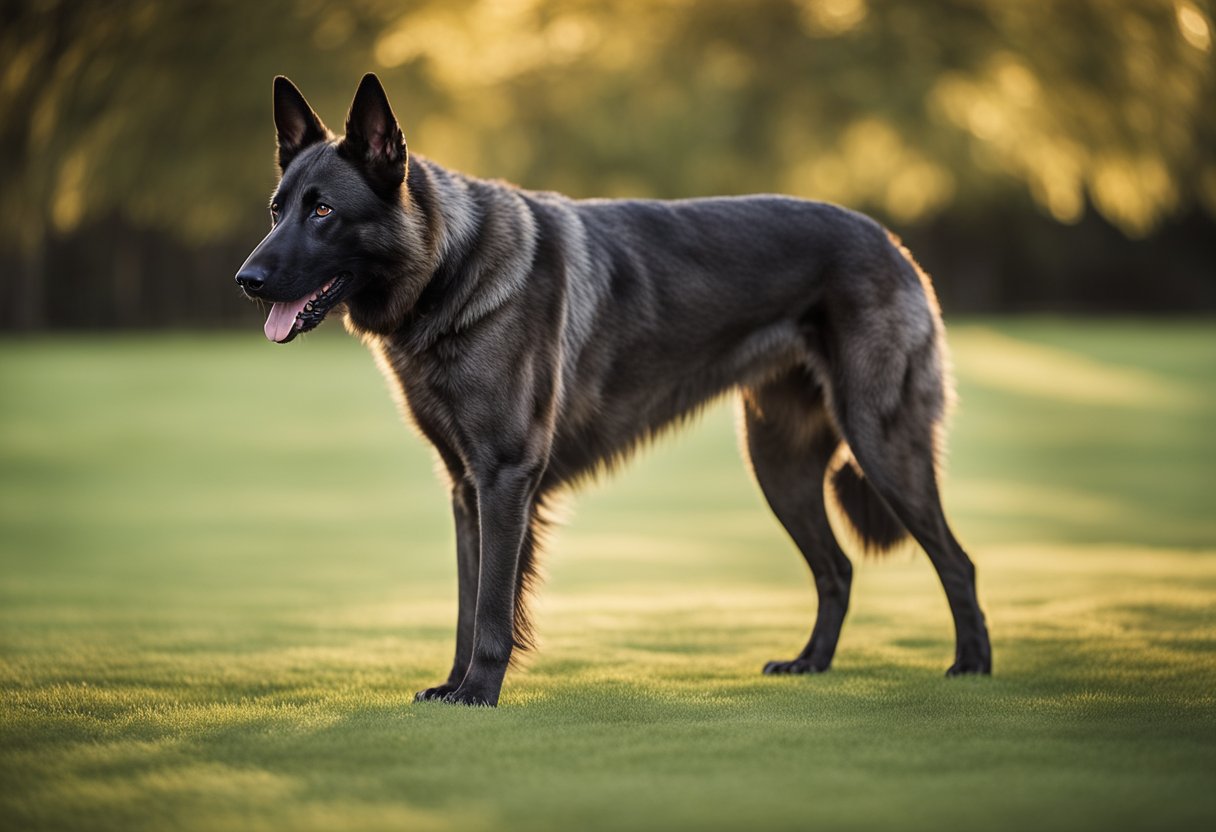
(536, 340)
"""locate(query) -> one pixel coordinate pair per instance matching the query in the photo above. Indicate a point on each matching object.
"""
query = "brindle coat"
(535, 339)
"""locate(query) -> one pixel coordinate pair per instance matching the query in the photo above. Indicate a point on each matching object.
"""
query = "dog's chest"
(421, 387)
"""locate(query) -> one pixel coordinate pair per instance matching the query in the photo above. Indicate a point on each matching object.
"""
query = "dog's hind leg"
(790, 441)
(889, 396)
(900, 468)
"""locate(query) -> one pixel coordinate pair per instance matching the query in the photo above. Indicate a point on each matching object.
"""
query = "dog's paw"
(970, 667)
(794, 666)
(434, 694)
(471, 698)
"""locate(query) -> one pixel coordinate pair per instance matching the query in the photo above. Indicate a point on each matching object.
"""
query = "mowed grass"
(225, 567)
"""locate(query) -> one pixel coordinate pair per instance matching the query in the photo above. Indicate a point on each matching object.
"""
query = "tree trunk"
(28, 300)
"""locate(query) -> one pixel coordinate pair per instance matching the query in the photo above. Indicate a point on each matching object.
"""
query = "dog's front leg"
(468, 556)
(504, 506)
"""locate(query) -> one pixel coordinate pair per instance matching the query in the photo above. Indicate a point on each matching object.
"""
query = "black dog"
(536, 339)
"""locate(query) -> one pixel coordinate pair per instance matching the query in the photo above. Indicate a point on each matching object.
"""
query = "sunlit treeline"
(155, 115)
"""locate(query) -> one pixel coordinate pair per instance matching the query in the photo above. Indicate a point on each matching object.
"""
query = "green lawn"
(225, 567)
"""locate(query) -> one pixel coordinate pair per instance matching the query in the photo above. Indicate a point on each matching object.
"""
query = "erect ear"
(297, 125)
(373, 140)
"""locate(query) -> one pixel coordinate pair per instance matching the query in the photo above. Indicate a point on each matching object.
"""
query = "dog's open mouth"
(288, 319)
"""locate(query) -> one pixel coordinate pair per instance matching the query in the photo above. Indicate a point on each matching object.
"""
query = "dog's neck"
(464, 248)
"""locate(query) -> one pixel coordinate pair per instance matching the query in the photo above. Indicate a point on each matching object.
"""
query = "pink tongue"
(283, 317)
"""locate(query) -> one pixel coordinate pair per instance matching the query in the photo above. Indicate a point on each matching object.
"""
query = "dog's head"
(334, 202)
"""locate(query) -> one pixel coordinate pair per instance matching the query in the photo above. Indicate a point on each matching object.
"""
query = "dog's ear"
(297, 125)
(373, 140)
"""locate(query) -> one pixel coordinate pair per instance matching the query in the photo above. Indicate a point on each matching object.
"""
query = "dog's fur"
(536, 339)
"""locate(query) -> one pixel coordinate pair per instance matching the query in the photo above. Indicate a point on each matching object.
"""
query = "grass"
(225, 568)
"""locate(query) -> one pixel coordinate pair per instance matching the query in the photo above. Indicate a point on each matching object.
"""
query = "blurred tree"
(123, 109)
(903, 108)
(135, 138)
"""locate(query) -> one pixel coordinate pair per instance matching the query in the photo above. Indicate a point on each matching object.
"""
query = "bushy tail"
(878, 529)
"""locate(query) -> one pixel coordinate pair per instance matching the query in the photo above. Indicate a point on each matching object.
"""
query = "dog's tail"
(877, 527)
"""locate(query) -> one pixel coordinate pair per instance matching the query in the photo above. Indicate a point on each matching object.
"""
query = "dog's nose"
(251, 278)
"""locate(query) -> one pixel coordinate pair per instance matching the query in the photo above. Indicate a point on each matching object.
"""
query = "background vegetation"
(1036, 155)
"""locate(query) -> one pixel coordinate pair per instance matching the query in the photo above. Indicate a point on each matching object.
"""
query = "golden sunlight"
(1193, 26)
(832, 17)
(991, 359)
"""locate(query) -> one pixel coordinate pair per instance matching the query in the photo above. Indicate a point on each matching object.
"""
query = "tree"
(153, 116)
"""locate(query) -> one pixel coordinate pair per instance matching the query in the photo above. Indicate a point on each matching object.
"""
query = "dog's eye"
(323, 210)
(274, 210)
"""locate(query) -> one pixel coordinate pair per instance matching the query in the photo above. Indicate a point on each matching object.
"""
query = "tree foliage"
(156, 115)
